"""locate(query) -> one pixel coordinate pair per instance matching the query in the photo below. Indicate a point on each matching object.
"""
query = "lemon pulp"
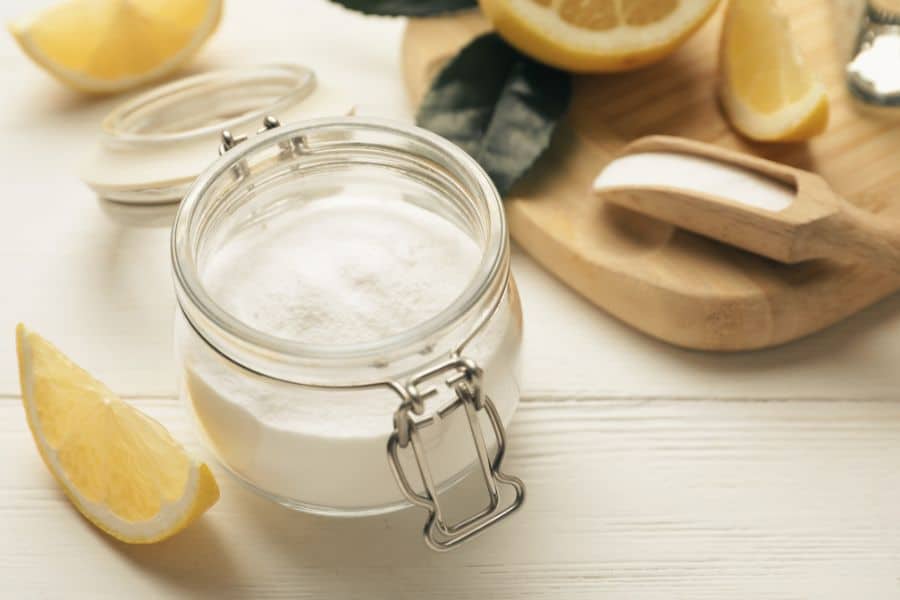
(112, 45)
(597, 35)
(121, 469)
(767, 90)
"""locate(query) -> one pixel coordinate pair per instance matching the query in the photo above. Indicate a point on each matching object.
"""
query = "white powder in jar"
(343, 270)
(339, 271)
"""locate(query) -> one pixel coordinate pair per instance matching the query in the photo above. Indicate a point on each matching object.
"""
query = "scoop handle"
(856, 234)
(833, 228)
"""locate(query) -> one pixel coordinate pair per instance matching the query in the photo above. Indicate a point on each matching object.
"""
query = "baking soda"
(343, 271)
(338, 271)
(698, 174)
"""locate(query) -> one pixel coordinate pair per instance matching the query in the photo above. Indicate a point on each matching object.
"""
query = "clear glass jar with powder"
(348, 328)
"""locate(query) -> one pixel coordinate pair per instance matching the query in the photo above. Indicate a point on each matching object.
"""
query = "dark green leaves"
(407, 8)
(498, 105)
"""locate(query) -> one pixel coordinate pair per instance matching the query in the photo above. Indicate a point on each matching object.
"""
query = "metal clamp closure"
(465, 381)
(288, 148)
(229, 141)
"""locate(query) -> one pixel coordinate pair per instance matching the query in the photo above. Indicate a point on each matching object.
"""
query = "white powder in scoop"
(695, 173)
(343, 270)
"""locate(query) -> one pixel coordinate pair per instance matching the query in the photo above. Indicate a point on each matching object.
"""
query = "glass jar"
(385, 424)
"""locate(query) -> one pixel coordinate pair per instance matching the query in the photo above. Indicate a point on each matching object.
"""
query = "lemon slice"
(767, 91)
(121, 469)
(104, 46)
(597, 35)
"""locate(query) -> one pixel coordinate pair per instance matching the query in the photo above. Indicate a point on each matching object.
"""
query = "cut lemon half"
(597, 35)
(766, 88)
(104, 46)
(121, 469)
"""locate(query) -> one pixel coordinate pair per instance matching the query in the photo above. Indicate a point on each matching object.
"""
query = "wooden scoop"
(814, 221)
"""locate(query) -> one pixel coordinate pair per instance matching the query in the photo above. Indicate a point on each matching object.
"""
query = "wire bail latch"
(464, 379)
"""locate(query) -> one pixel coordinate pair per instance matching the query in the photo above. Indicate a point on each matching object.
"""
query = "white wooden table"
(652, 472)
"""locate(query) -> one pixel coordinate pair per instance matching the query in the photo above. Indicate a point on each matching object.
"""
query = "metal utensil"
(873, 71)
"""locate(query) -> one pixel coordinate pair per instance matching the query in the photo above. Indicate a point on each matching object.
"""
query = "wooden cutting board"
(669, 283)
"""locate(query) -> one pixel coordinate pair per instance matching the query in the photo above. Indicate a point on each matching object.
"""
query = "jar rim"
(494, 265)
(298, 82)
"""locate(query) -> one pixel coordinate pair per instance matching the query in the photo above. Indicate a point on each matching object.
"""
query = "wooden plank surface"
(652, 472)
(627, 499)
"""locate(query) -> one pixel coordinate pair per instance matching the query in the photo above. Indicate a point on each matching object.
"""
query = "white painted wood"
(627, 500)
(652, 472)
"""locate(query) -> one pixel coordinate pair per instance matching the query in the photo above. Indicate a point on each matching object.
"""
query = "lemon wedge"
(121, 469)
(597, 35)
(766, 88)
(104, 46)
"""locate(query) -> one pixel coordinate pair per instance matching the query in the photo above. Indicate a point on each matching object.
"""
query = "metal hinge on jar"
(465, 381)
(289, 147)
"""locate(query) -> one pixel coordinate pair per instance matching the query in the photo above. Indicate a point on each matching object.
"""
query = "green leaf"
(407, 8)
(498, 105)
